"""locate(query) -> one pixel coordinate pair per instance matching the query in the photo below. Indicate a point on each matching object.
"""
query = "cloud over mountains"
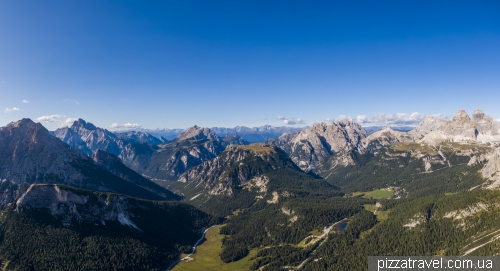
(387, 119)
(126, 125)
(291, 121)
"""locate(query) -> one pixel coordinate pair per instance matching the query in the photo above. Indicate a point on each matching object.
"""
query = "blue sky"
(226, 63)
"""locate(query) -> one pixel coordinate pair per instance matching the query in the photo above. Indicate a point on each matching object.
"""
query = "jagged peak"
(81, 123)
(196, 132)
(478, 115)
(21, 122)
(461, 116)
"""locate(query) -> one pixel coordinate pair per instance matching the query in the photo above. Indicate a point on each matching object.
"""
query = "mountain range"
(105, 197)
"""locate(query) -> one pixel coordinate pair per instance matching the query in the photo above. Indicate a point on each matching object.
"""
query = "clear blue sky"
(226, 63)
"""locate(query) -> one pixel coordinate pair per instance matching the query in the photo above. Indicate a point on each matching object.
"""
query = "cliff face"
(67, 205)
(491, 169)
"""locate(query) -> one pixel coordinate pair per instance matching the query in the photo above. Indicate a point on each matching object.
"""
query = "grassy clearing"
(256, 148)
(407, 146)
(375, 194)
(5, 264)
(207, 257)
(382, 215)
(370, 207)
(315, 233)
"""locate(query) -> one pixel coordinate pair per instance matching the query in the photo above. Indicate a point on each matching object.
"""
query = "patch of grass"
(207, 257)
(407, 146)
(375, 194)
(382, 215)
(256, 148)
(5, 264)
(316, 233)
(380, 194)
(370, 207)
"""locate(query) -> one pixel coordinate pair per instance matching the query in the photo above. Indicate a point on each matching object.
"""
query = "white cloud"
(69, 121)
(126, 125)
(394, 119)
(8, 110)
(388, 119)
(25, 101)
(291, 121)
(51, 118)
(71, 101)
(343, 117)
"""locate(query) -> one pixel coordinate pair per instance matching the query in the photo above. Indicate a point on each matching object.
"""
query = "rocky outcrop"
(310, 146)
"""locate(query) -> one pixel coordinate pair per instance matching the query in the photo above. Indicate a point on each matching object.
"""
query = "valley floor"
(207, 256)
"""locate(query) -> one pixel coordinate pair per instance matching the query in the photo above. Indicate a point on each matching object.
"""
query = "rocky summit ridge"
(462, 128)
(309, 147)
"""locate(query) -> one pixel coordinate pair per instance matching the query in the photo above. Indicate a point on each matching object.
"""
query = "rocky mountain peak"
(197, 133)
(310, 146)
(427, 125)
(387, 128)
(478, 115)
(26, 129)
(461, 117)
(481, 128)
(21, 123)
(80, 123)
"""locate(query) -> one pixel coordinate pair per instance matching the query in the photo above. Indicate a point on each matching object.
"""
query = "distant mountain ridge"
(88, 138)
(251, 134)
(168, 161)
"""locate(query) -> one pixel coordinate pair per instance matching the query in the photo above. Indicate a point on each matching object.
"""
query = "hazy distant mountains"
(251, 134)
